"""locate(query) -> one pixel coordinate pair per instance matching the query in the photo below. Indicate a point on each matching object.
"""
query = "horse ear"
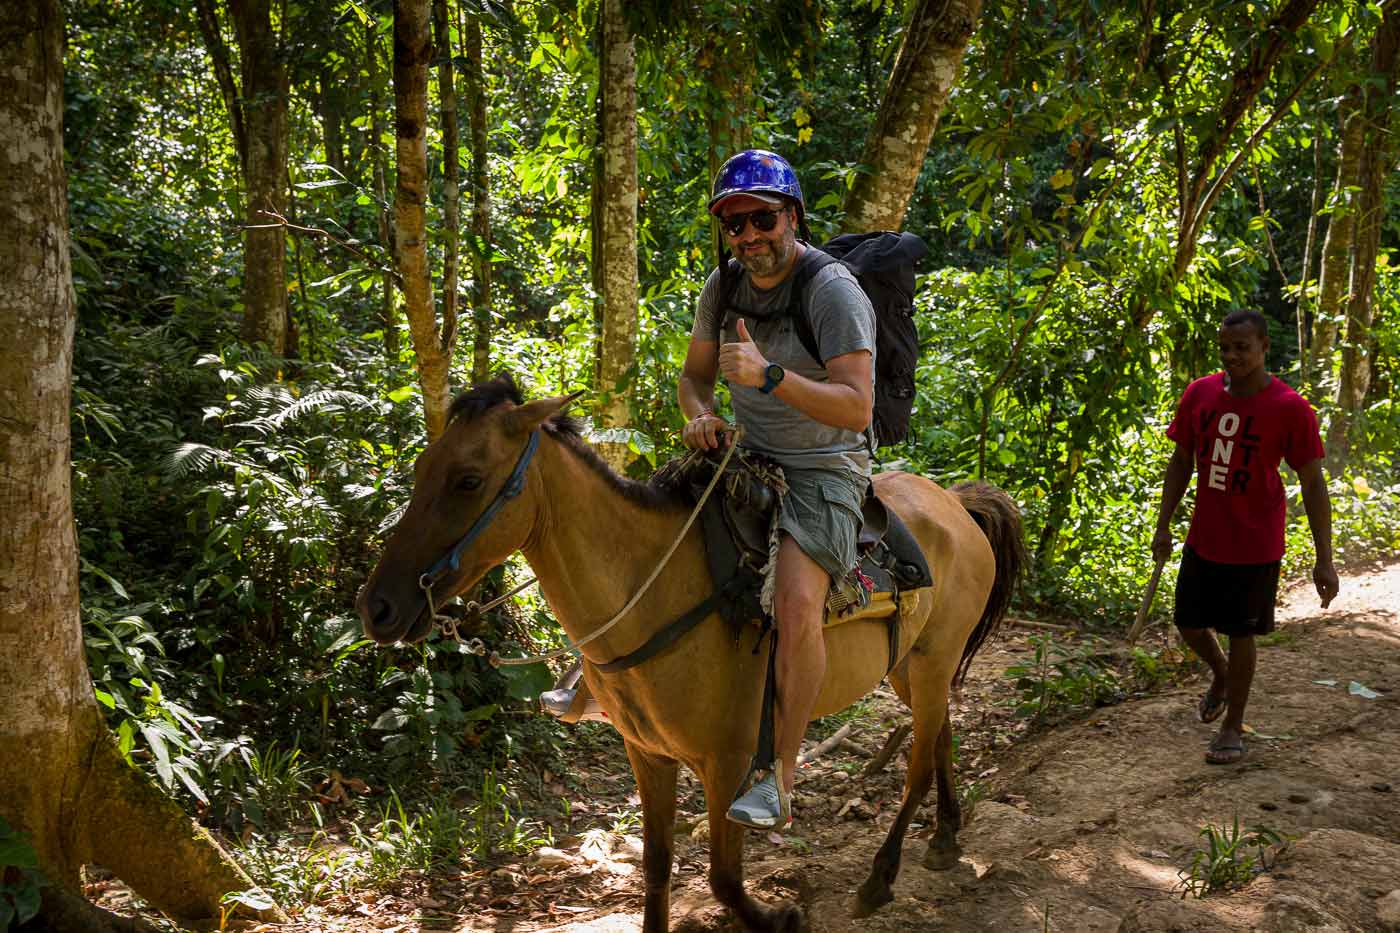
(525, 418)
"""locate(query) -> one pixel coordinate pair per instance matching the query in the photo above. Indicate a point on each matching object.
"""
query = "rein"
(476, 645)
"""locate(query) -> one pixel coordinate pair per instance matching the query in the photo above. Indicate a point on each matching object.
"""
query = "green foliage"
(21, 882)
(1060, 677)
(1225, 861)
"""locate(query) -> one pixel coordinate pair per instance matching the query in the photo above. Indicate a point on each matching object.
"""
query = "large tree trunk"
(64, 783)
(924, 73)
(615, 226)
(413, 50)
(481, 201)
(1377, 156)
(1336, 245)
(264, 105)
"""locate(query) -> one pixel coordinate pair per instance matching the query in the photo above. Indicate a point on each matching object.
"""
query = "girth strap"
(662, 639)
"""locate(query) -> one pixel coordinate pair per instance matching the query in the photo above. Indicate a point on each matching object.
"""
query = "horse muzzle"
(386, 622)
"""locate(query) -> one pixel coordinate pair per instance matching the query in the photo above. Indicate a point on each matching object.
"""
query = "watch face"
(774, 373)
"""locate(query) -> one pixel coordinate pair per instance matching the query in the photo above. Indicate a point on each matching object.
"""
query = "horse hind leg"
(727, 870)
(877, 889)
(943, 851)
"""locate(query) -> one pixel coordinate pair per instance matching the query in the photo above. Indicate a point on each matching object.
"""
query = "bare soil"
(1084, 825)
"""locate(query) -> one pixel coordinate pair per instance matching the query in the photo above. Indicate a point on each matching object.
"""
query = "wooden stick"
(892, 744)
(1141, 621)
(827, 745)
(1033, 623)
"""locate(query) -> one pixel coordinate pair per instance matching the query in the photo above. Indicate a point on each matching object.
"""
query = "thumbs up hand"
(741, 361)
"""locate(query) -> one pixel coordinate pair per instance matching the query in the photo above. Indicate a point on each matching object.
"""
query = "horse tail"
(1000, 520)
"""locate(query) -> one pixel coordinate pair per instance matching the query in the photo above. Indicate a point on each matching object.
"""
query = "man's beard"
(777, 257)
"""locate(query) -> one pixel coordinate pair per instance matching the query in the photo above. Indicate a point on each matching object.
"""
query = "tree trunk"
(264, 106)
(451, 171)
(1336, 245)
(1377, 155)
(413, 49)
(615, 226)
(65, 784)
(924, 73)
(481, 202)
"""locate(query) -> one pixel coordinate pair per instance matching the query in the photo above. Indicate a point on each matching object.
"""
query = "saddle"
(739, 528)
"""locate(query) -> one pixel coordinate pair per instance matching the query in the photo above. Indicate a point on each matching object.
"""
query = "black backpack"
(883, 263)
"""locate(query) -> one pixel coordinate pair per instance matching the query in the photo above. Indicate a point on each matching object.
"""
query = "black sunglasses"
(763, 220)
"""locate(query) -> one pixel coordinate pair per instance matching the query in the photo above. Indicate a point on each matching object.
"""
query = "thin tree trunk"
(65, 784)
(413, 49)
(1376, 158)
(264, 104)
(388, 319)
(925, 70)
(1306, 279)
(1333, 277)
(481, 202)
(615, 226)
(451, 172)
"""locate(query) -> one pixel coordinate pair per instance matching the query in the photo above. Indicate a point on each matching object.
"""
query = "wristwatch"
(772, 375)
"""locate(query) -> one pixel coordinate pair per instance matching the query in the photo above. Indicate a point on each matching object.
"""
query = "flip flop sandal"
(1210, 707)
(1225, 754)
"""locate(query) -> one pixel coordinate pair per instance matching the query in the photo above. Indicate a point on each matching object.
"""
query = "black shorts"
(1233, 599)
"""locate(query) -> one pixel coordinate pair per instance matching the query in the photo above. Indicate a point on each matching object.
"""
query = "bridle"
(450, 562)
(514, 484)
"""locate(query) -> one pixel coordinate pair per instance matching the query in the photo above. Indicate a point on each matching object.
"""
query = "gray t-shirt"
(842, 321)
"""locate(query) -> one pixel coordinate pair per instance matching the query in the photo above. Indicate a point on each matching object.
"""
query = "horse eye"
(469, 483)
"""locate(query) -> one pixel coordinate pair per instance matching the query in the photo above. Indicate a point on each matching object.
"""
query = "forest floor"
(1088, 824)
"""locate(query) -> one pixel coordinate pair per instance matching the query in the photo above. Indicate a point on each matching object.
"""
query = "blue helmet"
(756, 172)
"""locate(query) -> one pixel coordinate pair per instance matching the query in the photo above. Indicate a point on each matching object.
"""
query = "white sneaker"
(557, 703)
(761, 807)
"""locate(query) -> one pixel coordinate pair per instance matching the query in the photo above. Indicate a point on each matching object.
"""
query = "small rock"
(1388, 912)
(1298, 798)
(1381, 787)
(548, 858)
(628, 849)
(1291, 913)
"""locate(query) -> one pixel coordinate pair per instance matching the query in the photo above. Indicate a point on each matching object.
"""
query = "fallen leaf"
(1326, 683)
(1360, 690)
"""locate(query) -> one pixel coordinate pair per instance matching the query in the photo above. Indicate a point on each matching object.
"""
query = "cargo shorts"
(822, 512)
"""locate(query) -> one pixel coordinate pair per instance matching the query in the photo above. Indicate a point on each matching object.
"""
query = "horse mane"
(568, 430)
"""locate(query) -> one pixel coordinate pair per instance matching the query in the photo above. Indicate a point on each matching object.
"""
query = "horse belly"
(857, 656)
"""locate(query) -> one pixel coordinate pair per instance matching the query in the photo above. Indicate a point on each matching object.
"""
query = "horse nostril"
(376, 612)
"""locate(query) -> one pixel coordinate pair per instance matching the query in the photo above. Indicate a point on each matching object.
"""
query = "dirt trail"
(1085, 827)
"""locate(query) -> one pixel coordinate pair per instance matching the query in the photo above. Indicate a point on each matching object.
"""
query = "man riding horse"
(811, 416)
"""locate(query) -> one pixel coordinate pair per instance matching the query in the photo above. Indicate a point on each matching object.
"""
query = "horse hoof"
(790, 919)
(936, 859)
(871, 897)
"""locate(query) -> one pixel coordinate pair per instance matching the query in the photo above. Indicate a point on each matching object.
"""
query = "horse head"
(471, 508)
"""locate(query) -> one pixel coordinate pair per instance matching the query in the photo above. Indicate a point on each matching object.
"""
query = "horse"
(518, 476)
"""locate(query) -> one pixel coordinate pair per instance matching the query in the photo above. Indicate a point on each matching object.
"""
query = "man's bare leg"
(799, 603)
(1228, 745)
(1203, 642)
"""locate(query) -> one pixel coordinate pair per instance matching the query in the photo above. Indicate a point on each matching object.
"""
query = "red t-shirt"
(1238, 443)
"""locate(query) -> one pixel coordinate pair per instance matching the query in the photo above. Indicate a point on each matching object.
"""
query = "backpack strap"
(812, 261)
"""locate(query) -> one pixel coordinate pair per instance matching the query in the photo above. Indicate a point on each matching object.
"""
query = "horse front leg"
(877, 889)
(943, 851)
(727, 865)
(656, 785)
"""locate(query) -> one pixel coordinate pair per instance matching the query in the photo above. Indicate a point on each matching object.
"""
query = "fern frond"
(193, 458)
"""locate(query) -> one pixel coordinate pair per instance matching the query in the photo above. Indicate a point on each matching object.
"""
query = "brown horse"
(592, 539)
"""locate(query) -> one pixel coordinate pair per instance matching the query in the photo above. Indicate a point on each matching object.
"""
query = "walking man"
(810, 415)
(1232, 429)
